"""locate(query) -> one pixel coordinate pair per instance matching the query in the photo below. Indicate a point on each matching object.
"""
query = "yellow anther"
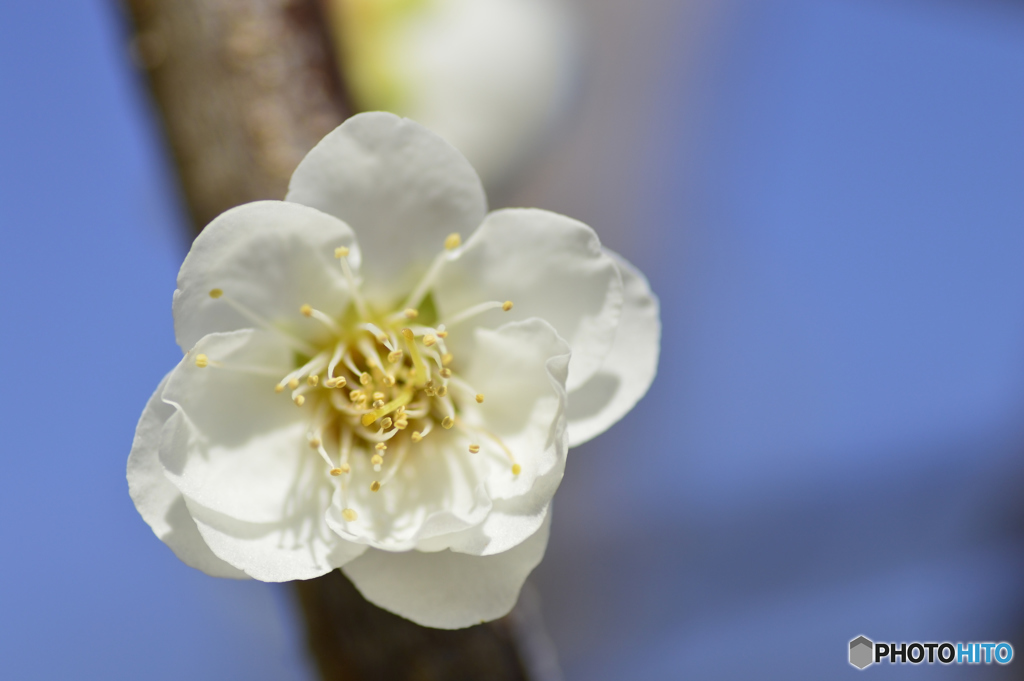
(416, 436)
(377, 459)
(479, 398)
(429, 340)
(386, 423)
(350, 515)
(442, 334)
(378, 396)
(340, 252)
(293, 384)
(448, 422)
(382, 339)
(336, 472)
(314, 443)
(279, 388)
(516, 469)
(446, 358)
(452, 241)
(380, 446)
(372, 363)
(340, 382)
(313, 380)
(300, 400)
(365, 378)
(202, 361)
(442, 391)
(473, 449)
(345, 468)
(401, 424)
(355, 395)
(330, 383)
(410, 313)
(394, 356)
(445, 373)
(377, 404)
(507, 305)
(388, 380)
(216, 293)
(374, 486)
(306, 310)
(408, 334)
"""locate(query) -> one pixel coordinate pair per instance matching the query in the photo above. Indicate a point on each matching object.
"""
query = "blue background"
(828, 196)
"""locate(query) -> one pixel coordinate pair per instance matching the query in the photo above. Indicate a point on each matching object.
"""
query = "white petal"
(521, 370)
(300, 546)
(271, 257)
(628, 369)
(444, 589)
(159, 502)
(437, 490)
(233, 445)
(400, 186)
(549, 266)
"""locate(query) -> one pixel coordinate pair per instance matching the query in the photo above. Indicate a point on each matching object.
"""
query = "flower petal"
(441, 495)
(299, 547)
(549, 266)
(444, 589)
(400, 186)
(270, 257)
(233, 445)
(628, 369)
(159, 502)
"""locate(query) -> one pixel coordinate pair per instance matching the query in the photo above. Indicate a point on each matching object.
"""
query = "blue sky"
(833, 446)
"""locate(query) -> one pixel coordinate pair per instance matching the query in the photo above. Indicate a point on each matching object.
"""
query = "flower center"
(382, 381)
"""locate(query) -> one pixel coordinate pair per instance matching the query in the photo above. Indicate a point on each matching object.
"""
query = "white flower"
(489, 76)
(381, 406)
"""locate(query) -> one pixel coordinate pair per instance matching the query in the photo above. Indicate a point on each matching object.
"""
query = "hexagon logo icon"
(861, 652)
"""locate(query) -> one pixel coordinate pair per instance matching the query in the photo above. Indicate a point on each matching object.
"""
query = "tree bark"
(245, 88)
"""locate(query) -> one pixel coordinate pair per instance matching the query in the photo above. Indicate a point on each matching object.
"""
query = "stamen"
(202, 361)
(452, 242)
(293, 384)
(350, 515)
(336, 472)
(374, 486)
(473, 311)
(341, 253)
(308, 311)
(394, 468)
(365, 378)
(479, 398)
(385, 423)
(312, 380)
(516, 469)
(442, 391)
(395, 356)
(299, 400)
(380, 446)
(448, 422)
(410, 313)
(473, 449)
(429, 340)
(295, 343)
(447, 358)
(446, 373)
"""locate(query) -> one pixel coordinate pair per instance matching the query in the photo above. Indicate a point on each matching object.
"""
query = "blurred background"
(827, 196)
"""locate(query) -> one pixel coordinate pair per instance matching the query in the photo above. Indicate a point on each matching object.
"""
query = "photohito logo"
(865, 652)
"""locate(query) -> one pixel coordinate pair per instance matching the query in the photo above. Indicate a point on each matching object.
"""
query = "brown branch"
(245, 88)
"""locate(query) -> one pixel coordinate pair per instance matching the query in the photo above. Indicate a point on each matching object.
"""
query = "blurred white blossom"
(398, 406)
(489, 76)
